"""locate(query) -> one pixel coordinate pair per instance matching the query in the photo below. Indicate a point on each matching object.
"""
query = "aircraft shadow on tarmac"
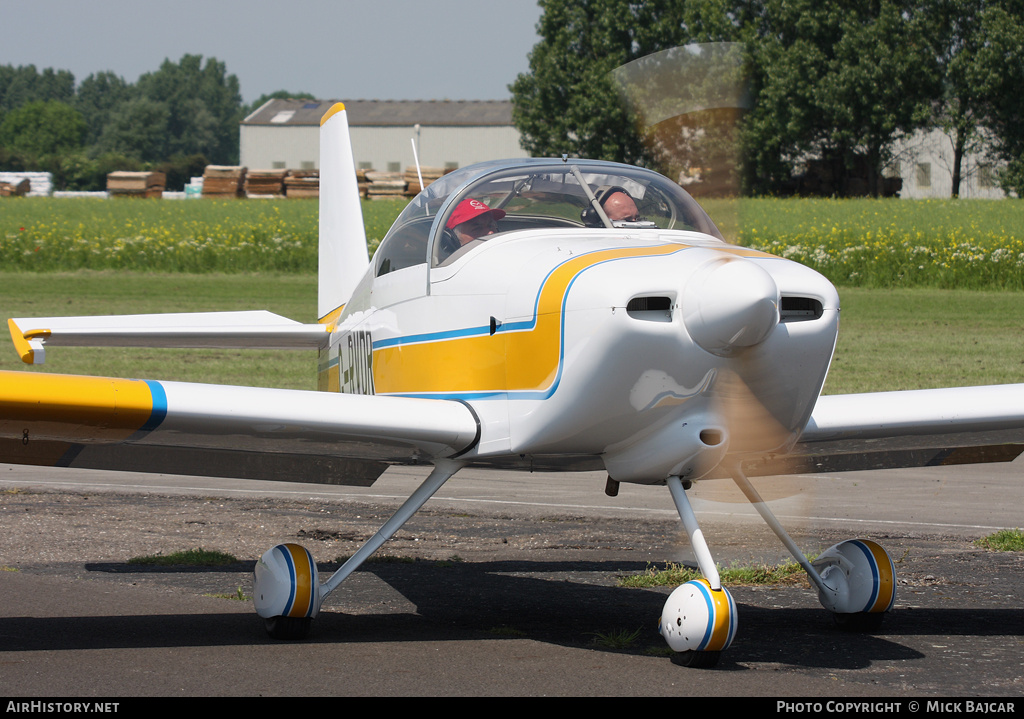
(566, 603)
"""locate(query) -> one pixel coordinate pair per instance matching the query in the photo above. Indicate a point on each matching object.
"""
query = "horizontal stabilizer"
(214, 330)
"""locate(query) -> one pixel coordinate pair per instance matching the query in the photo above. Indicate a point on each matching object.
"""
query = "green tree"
(203, 107)
(42, 129)
(980, 47)
(567, 103)
(98, 98)
(137, 128)
(835, 83)
(24, 84)
(1004, 56)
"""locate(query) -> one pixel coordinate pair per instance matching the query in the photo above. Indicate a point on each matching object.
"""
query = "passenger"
(619, 206)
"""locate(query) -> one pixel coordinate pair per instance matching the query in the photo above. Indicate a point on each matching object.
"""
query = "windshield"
(533, 194)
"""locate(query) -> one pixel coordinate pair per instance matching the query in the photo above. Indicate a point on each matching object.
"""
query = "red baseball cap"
(470, 209)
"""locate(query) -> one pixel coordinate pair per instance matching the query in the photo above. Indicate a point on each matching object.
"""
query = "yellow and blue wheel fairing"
(882, 591)
(699, 618)
(286, 583)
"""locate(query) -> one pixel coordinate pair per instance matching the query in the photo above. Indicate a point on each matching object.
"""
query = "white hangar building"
(285, 134)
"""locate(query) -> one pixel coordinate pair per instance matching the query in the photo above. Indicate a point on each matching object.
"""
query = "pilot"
(471, 220)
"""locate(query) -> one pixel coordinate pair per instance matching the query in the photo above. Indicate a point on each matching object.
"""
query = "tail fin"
(343, 254)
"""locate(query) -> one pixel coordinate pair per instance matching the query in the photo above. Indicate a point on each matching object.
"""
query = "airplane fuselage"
(577, 342)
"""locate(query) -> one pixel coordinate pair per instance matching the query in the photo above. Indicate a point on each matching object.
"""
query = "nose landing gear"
(856, 581)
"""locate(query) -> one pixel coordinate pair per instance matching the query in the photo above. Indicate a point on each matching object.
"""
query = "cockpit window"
(535, 194)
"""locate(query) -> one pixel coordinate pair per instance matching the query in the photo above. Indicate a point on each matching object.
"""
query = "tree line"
(831, 85)
(176, 119)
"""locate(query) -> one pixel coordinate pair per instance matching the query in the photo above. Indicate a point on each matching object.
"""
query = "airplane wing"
(218, 430)
(217, 330)
(916, 428)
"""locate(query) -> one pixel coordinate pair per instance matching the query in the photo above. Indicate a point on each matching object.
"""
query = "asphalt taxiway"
(513, 590)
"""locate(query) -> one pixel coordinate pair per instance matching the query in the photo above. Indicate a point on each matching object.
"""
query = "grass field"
(41, 234)
(951, 244)
(888, 339)
(88, 293)
(963, 244)
(188, 256)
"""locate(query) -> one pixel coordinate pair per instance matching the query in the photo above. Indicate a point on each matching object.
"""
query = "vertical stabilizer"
(343, 255)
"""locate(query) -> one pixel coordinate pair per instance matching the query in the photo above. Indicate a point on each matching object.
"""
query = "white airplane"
(603, 323)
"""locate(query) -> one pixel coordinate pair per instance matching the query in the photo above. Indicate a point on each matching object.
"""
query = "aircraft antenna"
(416, 159)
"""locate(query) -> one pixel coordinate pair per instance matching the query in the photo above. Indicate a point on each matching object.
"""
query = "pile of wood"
(363, 182)
(265, 183)
(15, 188)
(40, 184)
(136, 184)
(412, 178)
(385, 185)
(302, 183)
(224, 181)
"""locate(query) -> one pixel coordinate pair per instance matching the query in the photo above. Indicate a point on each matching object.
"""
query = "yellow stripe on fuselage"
(523, 360)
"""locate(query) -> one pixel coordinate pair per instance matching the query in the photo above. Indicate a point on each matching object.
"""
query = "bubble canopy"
(536, 194)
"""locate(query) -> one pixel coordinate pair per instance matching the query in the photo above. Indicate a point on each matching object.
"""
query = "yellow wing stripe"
(66, 407)
(525, 360)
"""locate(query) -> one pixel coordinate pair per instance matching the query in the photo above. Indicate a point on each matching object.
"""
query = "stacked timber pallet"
(40, 183)
(362, 182)
(265, 183)
(224, 181)
(16, 188)
(385, 185)
(136, 184)
(412, 179)
(302, 183)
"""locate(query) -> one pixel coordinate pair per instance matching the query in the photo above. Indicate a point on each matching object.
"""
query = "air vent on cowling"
(649, 304)
(799, 309)
(652, 308)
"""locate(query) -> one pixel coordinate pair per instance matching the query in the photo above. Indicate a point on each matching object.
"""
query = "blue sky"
(334, 49)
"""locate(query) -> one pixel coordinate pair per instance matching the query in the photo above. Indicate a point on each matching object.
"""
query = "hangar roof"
(386, 112)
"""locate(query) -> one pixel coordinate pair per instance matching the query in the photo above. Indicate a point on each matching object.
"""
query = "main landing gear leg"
(287, 594)
(856, 579)
(699, 618)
